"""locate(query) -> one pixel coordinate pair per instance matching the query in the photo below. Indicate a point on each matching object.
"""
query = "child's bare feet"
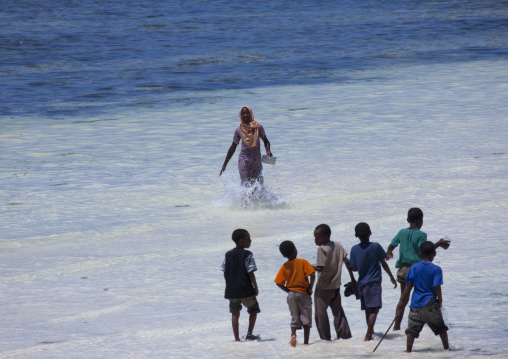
(250, 337)
(292, 342)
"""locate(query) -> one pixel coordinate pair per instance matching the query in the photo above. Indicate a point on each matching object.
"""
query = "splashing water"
(255, 195)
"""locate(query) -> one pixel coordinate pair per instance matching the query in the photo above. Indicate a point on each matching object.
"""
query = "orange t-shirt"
(293, 274)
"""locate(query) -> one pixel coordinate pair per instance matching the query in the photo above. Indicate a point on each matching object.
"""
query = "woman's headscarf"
(249, 132)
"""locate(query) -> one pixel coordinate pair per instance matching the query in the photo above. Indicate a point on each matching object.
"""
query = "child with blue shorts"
(367, 258)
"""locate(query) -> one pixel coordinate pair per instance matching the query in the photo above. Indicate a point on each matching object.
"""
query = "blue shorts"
(370, 295)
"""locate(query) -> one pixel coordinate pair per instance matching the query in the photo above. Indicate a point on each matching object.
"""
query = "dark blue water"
(84, 58)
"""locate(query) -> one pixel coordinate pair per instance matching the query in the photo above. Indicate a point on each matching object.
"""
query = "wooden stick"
(387, 330)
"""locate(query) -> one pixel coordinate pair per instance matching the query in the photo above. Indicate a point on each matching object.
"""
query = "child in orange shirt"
(293, 279)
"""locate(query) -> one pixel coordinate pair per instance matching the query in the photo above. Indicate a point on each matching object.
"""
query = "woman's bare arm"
(267, 146)
(230, 153)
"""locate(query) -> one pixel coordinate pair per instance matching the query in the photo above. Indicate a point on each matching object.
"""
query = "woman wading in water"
(249, 160)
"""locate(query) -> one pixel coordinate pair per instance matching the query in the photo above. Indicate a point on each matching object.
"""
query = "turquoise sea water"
(62, 59)
(116, 118)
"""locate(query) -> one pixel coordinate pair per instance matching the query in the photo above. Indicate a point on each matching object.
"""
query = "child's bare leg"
(292, 342)
(444, 339)
(306, 334)
(235, 316)
(398, 319)
(409, 343)
(371, 315)
(252, 322)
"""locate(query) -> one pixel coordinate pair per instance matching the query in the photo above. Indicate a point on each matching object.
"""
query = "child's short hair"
(239, 234)
(287, 248)
(324, 229)
(362, 230)
(427, 248)
(414, 215)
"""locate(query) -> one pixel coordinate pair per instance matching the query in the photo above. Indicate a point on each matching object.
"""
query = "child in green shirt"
(409, 240)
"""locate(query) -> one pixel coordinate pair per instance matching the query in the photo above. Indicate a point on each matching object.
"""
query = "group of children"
(297, 277)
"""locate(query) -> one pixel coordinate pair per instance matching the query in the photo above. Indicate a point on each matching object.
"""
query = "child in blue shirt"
(367, 258)
(426, 278)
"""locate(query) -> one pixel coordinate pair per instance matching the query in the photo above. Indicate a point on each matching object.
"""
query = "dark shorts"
(300, 307)
(430, 315)
(370, 295)
(251, 303)
(402, 273)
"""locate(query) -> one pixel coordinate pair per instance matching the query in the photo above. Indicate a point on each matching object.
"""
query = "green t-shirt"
(409, 240)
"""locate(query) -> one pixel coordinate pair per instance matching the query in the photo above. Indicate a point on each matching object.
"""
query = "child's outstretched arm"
(253, 280)
(442, 243)
(388, 271)
(439, 295)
